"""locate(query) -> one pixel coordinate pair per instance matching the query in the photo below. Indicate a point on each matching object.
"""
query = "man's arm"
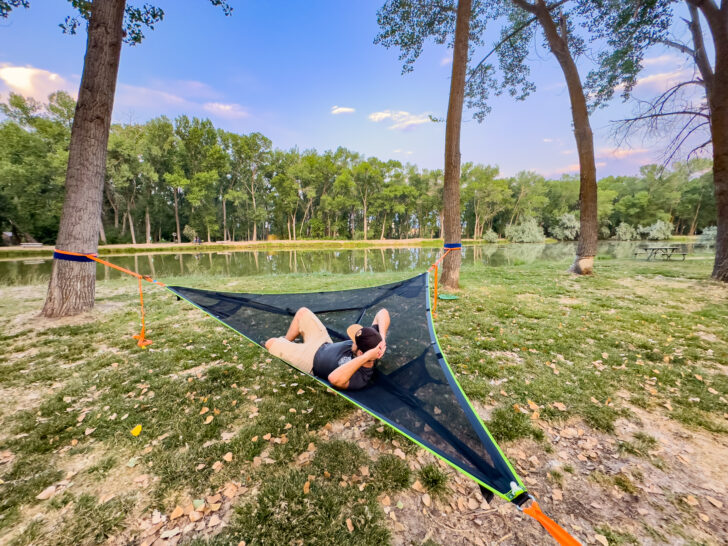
(382, 319)
(339, 378)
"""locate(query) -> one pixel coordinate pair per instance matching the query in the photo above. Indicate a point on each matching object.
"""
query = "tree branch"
(677, 45)
(511, 35)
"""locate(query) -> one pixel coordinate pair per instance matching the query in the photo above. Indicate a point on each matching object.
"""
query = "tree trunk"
(123, 224)
(224, 220)
(102, 232)
(208, 234)
(293, 222)
(148, 223)
(694, 223)
(176, 217)
(384, 225)
(252, 195)
(131, 228)
(365, 219)
(718, 101)
(288, 225)
(451, 194)
(72, 285)
(588, 226)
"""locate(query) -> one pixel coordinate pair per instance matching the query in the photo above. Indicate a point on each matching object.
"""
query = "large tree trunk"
(72, 285)
(717, 93)
(586, 249)
(451, 194)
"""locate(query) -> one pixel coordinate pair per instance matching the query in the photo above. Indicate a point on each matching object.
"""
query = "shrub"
(709, 235)
(604, 232)
(189, 233)
(433, 479)
(625, 232)
(490, 236)
(528, 231)
(659, 231)
(566, 228)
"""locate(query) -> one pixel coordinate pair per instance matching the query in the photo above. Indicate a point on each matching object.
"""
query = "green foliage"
(567, 228)
(528, 231)
(625, 232)
(508, 424)
(391, 473)
(659, 231)
(709, 235)
(490, 236)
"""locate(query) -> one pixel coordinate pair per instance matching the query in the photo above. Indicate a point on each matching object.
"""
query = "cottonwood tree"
(686, 118)
(109, 24)
(408, 25)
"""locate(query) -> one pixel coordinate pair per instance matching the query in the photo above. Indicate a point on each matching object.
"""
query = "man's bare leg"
(293, 330)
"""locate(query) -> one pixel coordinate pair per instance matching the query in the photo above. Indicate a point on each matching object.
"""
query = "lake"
(262, 262)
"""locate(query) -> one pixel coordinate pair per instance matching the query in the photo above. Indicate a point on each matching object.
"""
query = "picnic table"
(664, 252)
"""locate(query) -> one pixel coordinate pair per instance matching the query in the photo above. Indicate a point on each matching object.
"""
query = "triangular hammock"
(414, 390)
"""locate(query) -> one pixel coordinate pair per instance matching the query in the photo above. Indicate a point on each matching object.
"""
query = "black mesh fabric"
(413, 388)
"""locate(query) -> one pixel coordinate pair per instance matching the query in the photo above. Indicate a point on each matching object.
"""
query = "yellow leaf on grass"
(209, 419)
(204, 410)
(306, 488)
(349, 525)
(136, 431)
(533, 405)
(228, 456)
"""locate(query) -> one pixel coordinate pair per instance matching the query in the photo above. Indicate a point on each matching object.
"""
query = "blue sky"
(307, 74)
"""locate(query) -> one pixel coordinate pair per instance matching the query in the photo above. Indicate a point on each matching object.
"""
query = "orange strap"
(434, 268)
(553, 528)
(143, 342)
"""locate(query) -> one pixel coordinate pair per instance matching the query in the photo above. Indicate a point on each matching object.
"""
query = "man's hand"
(377, 352)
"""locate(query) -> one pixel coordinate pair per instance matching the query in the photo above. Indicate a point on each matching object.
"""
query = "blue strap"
(70, 258)
(453, 245)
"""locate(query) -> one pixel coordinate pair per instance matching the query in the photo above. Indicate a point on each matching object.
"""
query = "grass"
(637, 334)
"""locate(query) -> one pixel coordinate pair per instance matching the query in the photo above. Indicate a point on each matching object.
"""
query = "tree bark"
(102, 232)
(148, 222)
(131, 228)
(176, 217)
(586, 249)
(72, 285)
(717, 94)
(451, 193)
(224, 219)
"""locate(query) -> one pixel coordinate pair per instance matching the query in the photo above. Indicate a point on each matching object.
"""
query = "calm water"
(241, 263)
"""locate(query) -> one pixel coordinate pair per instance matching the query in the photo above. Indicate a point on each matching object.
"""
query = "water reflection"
(241, 263)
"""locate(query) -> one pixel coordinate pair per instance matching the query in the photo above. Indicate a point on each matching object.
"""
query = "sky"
(308, 75)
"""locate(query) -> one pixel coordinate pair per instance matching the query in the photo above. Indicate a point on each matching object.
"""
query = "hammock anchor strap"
(434, 268)
(80, 257)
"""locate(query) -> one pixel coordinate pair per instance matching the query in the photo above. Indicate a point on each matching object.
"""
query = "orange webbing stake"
(143, 342)
(434, 267)
(553, 528)
(74, 256)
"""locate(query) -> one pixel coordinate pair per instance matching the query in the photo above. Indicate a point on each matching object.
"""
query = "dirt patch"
(32, 320)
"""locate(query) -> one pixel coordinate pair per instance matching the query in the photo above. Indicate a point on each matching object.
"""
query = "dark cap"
(364, 337)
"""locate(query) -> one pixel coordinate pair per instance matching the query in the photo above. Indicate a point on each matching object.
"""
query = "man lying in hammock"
(347, 364)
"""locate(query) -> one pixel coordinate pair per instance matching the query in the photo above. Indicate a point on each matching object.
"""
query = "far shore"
(274, 244)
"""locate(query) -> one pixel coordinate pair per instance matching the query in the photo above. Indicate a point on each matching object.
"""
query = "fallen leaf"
(228, 457)
(204, 410)
(176, 513)
(306, 488)
(132, 462)
(400, 504)
(217, 466)
(200, 466)
(417, 486)
(195, 516)
(136, 431)
(349, 525)
(386, 501)
(714, 502)
(89, 431)
(533, 405)
(214, 521)
(601, 539)
(267, 436)
(559, 406)
(209, 419)
(170, 533)
(47, 493)
(426, 499)
(254, 439)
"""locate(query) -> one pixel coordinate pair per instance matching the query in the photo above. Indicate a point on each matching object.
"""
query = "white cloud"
(135, 96)
(662, 59)
(401, 151)
(621, 153)
(548, 139)
(33, 82)
(662, 81)
(567, 152)
(400, 119)
(335, 110)
(446, 60)
(225, 110)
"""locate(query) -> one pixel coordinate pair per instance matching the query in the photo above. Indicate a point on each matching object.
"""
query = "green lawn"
(608, 393)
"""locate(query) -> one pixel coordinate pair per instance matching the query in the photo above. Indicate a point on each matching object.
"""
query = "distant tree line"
(186, 179)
